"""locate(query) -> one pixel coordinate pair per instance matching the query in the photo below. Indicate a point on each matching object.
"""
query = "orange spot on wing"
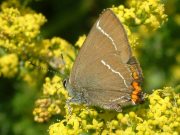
(137, 88)
(135, 84)
(136, 91)
(134, 98)
(135, 75)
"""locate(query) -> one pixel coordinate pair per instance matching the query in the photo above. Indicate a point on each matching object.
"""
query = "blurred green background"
(159, 56)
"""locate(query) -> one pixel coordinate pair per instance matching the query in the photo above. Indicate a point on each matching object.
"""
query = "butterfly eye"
(65, 83)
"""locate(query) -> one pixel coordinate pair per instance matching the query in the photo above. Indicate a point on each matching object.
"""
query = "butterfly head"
(67, 85)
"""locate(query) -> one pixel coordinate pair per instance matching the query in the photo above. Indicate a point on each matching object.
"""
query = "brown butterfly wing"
(108, 83)
(101, 65)
(98, 44)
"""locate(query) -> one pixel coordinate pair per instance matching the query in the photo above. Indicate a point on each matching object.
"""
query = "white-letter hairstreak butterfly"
(105, 73)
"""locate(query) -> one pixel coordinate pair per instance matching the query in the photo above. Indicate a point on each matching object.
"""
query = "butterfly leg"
(78, 99)
(70, 109)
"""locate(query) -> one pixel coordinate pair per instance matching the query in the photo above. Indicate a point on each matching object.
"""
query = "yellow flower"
(80, 41)
(9, 65)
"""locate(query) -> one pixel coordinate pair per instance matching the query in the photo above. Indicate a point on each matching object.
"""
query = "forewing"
(107, 36)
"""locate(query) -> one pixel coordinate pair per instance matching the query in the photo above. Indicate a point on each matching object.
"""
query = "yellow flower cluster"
(162, 116)
(13, 3)
(22, 49)
(19, 30)
(53, 101)
(8, 65)
(57, 52)
(141, 17)
(20, 34)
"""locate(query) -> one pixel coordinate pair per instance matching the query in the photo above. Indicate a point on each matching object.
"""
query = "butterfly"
(105, 73)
